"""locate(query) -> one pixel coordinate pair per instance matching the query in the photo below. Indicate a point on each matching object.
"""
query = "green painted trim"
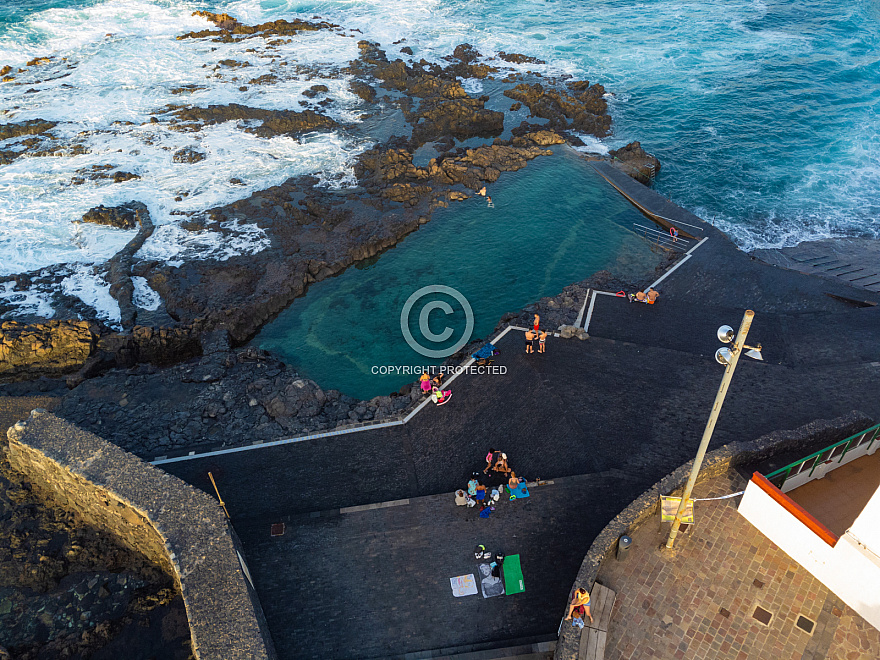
(860, 435)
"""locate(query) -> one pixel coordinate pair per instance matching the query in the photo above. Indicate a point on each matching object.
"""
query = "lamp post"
(729, 358)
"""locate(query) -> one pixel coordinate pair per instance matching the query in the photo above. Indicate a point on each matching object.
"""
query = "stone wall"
(178, 527)
(820, 432)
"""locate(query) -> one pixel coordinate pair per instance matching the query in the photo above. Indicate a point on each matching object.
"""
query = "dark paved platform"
(623, 409)
(375, 583)
(852, 260)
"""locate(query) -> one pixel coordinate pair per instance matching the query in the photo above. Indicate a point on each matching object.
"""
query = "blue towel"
(486, 352)
(520, 491)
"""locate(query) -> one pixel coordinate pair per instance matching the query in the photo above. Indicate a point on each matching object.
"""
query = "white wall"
(849, 569)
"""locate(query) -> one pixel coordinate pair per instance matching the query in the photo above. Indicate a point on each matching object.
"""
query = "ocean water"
(764, 114)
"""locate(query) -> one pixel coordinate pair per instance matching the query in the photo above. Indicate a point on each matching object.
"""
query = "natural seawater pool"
(554, 223)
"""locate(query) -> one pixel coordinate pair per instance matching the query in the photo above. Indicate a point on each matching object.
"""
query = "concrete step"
(535, 651)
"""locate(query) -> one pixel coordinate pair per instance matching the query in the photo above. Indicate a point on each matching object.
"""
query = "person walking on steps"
(581, 598)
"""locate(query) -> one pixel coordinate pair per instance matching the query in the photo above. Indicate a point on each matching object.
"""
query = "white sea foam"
(592, 145)
(94, 291)
(175, 245)
(144, 296)
(472, 86)
(28, 302)
(96, 81)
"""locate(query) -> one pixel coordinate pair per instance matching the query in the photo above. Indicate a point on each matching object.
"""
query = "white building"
(824, 512)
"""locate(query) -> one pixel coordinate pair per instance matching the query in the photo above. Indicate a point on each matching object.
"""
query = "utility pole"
(710, 425)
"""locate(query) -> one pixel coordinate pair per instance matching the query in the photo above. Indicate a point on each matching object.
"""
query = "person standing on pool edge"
(537, 324)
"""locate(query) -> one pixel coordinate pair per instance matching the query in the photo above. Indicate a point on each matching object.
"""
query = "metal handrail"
(661, 239)
(850, 442)
(664, 235)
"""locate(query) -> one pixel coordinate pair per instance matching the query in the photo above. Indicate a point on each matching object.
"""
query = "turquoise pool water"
(554, 223)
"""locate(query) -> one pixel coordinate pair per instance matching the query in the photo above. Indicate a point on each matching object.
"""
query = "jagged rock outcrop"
(30, 127)
(581, 108)
(53, 348)
(188, 155)
(120, 264)
(460, 118)
(124, 216)
(230, 29)
(517, 58)
(33, 127)
(636, 162)
(274, 122)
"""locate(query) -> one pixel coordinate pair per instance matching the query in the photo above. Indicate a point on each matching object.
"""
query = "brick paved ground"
(697, 602)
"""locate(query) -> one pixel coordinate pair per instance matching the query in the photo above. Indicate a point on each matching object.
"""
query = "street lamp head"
(726, 334)
(723, 356)
(755, 353)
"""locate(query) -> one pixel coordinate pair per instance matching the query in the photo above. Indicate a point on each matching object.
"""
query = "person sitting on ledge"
(439, 396)
(648, 298)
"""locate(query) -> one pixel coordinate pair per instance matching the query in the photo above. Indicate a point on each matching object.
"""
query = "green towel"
(513, 577)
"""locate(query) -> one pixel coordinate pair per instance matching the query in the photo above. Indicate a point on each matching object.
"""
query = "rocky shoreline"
(308, 231)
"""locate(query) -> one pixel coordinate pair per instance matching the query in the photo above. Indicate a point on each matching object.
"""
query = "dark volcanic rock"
(274, 122)
(517, 58)
(230, 29)
(52, 348)
(35, 127)
(188, 155)
(363, 90)
(98, 172)
(582, 109)
(460, 118)
(125, 216)
(636, 162)
(31, 127)
(316, 90)
(119, 177)
(120, 264)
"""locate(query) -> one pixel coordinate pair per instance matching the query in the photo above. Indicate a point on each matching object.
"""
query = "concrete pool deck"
(629, 403)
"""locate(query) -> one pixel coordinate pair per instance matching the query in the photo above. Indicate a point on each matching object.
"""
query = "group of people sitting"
(486, 489)
(431, 387)
(648, 297)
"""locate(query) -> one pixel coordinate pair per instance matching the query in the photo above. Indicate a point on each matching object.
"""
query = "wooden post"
(211, 477)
